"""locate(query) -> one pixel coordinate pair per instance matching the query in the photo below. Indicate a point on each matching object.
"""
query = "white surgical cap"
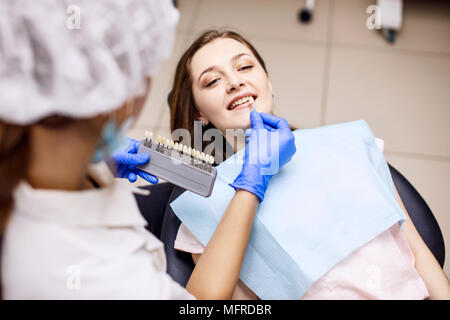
(79, 58)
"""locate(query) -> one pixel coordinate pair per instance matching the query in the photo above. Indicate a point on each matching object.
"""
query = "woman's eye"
(246, 67)
(211, 83)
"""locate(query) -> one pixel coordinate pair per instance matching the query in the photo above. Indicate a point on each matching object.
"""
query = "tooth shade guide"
(183, 153)
(190, 171)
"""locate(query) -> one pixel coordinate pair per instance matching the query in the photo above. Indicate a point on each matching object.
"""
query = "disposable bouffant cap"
(79, 58)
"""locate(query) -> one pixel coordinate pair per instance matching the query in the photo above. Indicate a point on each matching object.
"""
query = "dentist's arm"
(217, 271)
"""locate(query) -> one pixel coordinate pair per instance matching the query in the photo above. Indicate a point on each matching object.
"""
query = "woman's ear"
(203, 119)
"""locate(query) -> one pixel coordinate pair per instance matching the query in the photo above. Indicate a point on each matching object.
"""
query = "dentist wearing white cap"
(73, 76)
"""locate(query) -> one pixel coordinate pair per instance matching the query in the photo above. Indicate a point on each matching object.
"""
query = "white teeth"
(209, 159)
(185, 149)
(242, 100)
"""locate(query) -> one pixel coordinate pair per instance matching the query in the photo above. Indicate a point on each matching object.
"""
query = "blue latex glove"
(260, 163)
(125, 163)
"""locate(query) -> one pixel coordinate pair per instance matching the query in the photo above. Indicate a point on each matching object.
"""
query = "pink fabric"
(381, 269)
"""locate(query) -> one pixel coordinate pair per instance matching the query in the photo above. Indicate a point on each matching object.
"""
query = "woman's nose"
(235, 84)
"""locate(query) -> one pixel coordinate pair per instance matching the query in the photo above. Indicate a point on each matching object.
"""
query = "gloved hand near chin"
(124, 163)
(271, 144)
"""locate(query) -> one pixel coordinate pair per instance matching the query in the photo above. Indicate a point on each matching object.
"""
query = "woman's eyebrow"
(205, 71)
(214, 67)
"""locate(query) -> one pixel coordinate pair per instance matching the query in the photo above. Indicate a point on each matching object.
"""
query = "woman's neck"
(59, 159)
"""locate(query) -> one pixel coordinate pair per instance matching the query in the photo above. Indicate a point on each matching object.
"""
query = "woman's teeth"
(242, 101)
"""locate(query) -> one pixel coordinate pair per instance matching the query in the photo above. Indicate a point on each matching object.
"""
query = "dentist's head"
(72, 75)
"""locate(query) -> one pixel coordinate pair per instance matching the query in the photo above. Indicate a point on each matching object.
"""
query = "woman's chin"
(244, 123)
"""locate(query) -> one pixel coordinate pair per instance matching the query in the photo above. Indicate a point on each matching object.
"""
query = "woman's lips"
(240, 99)
(242, 106)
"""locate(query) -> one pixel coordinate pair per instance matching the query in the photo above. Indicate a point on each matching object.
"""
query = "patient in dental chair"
(221, 66)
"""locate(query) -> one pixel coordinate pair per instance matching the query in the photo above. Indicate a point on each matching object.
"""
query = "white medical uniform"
(88, 244)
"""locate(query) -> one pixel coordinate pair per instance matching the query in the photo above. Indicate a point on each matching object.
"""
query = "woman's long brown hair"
(14, 158)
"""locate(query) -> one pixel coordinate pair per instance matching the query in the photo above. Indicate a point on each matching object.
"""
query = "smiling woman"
(217, 81)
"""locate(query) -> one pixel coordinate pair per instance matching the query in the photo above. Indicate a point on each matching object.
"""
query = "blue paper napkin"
(335, 195)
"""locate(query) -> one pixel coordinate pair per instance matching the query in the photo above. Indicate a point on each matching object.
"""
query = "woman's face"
(225, 74)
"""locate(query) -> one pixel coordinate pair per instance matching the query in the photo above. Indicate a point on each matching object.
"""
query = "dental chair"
(164, 224)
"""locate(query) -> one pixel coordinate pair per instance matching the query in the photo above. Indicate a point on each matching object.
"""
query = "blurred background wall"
(334, 69)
